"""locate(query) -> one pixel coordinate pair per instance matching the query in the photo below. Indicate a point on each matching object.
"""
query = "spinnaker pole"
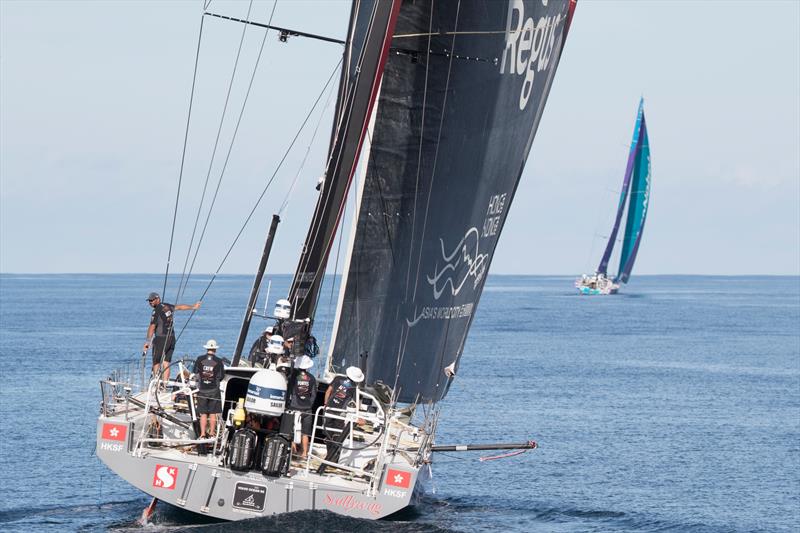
(248, 313)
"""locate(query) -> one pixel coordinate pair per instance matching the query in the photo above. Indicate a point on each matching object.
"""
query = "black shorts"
(208, 402)
(306, 423)
(165, 346)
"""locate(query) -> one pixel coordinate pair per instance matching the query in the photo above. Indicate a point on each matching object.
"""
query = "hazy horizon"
(287, 274)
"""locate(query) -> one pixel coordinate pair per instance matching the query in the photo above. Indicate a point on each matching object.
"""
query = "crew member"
(302, 390)
(282, 311)
(276, 350)
(209, 370)
(161, 331)
(340, 393)
(259, 353)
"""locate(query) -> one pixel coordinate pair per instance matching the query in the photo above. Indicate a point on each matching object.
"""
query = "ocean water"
(674, 406)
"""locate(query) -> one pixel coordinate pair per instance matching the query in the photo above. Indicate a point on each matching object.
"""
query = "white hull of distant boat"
(596, 285)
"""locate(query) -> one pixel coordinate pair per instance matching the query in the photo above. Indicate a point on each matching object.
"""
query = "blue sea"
(674, 406)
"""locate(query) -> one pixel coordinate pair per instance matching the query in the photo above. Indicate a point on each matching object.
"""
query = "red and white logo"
(114, 432)
(165, 477)
(398, 478)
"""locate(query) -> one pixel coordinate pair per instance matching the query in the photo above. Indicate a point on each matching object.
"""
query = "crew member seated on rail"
(340, 393)
(209, 371)
(258, 353)
(302, 389)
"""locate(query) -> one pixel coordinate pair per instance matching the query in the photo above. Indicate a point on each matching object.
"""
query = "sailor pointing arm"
(161, 331)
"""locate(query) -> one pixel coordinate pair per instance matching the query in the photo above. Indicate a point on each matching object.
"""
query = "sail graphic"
(371, 27)
(462, 95)
(637, 208)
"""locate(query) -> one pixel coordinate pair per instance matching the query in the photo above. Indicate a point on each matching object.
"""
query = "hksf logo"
(165, 477)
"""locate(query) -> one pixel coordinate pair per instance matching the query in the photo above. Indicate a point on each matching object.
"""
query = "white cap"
(211, 345)
(355, 374)
(303, 362)
(275, 345)
(269, 329)
(283, 309)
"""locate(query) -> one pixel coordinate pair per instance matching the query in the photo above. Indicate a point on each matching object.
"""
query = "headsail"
(639, 197)
(371, 26)
(461, 98)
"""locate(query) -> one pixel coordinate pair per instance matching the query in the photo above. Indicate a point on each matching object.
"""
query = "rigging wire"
(342, 124)
(183, 155)
(184, 279)
(261, 196)
(329, 325)
(419, 150)
(436, 152)
(308, 150)
(433, 169)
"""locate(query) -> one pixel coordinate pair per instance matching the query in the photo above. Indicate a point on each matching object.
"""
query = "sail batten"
(449, 145)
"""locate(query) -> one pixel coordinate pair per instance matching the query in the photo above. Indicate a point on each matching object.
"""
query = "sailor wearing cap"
(302, 391)
(161, 332)
(340, 393)
(209, 371)
(259, 353)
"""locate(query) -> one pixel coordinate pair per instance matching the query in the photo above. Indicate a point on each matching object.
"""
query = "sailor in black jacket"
(258, 352)
(302, 390)
(340, 393)
(209, 371)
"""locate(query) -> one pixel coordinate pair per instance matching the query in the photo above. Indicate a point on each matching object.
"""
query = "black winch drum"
(243, 450)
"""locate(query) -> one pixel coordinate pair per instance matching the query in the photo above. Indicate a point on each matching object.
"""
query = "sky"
(94, 99)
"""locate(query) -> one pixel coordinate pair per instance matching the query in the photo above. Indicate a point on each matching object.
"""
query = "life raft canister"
(266, 393)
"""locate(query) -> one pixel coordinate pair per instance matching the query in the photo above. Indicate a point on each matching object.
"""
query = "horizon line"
(290, 274)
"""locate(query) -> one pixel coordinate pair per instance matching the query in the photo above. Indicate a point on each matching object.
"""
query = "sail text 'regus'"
(528, 46)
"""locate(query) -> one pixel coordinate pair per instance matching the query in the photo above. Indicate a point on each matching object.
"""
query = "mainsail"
(640, 195)
(636, 191)
(371, 26)
(461, 98)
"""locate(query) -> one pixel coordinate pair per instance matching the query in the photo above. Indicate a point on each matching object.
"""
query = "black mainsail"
(371, 26)
(461, 98)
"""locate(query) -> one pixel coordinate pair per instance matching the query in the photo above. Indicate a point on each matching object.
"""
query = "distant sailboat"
(637, 183)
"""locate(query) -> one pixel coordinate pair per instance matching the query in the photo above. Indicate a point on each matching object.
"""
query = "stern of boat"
(376, 477)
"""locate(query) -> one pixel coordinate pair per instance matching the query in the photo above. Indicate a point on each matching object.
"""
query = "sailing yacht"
(633, 199)
(440, 102)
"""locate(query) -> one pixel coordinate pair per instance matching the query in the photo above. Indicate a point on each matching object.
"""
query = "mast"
(248, 313)
(357, 97)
